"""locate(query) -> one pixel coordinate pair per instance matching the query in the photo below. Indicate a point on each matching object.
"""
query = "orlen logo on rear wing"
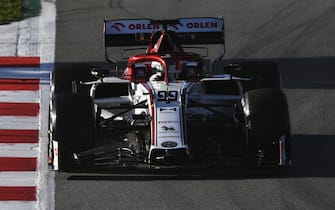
(201, 30)
(185, 25)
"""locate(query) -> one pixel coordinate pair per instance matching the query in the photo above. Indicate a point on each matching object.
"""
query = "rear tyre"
(268, 121)
(72, 127)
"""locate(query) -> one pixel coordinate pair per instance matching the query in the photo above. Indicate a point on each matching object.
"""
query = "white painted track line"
(47, 32)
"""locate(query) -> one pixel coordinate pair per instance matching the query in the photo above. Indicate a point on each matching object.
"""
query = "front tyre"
(268, 125)
(72, 128)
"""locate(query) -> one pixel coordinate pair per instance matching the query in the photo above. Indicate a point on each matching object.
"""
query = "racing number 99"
(167, 95)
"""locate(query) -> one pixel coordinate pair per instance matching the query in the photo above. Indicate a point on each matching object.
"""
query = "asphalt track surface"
(297, 34)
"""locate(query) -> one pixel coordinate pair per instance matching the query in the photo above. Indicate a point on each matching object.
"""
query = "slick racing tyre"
(267, 119)
(71, 127)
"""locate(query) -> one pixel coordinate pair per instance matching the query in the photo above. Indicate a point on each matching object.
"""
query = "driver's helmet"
(157, 70)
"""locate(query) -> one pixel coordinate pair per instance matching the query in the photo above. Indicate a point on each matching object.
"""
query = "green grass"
(11, 10)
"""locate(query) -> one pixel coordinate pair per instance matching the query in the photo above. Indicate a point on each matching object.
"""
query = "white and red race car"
(165, 109)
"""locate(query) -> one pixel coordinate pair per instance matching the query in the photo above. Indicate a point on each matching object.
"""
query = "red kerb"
(12, 61)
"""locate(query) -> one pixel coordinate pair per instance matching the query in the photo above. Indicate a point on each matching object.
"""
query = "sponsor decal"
(166, 137)
(144, 26)
(169, 144)
(168, 121)
(197, 25)
(118, 26)
(167, 109)
(166, 128)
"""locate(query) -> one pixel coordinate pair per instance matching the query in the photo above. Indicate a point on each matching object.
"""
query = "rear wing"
(137, 32)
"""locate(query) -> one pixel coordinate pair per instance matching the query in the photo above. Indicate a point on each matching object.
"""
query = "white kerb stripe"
(22, 96)
(19, 122)
(16, 205)
(20, 178)
(19, 150)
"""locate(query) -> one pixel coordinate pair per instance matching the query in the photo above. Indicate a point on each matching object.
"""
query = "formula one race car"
(166, 108)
